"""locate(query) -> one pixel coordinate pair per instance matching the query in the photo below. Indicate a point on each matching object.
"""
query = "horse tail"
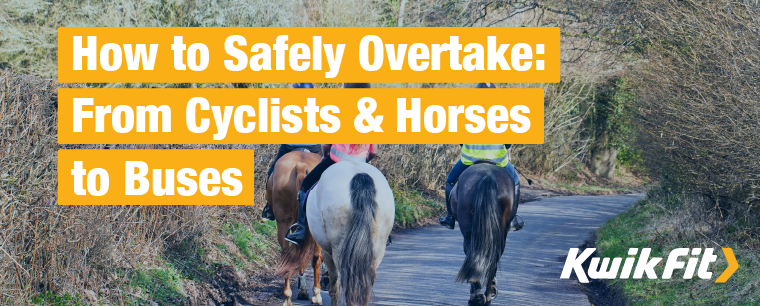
(487, 235)
(357, 256)
(295, 256)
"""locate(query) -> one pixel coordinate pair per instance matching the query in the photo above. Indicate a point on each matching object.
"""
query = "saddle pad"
(306, 197)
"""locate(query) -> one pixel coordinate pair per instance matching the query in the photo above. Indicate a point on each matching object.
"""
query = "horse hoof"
(478, 300)
(303, 295)
(316, 300)
(287, 303)
(324, 282)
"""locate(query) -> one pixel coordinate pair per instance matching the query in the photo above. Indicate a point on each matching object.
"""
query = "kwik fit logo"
(698, 263)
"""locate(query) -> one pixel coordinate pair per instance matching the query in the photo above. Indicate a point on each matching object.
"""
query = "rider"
(331, 154)
(497, 153)
(285, 149)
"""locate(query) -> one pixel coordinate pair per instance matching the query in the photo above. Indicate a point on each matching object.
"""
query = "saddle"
(483, 161)
(480, 161)
(302, 149)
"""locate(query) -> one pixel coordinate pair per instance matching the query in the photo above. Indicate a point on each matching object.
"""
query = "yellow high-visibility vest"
(496, 153)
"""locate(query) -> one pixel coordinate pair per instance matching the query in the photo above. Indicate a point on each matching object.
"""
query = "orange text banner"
(155, 177)
(276, 55)
(263, 116)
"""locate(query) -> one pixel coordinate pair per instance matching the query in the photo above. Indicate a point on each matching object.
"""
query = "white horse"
(350, 214)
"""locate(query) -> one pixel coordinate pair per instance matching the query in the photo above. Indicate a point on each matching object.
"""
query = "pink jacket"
(349, 152)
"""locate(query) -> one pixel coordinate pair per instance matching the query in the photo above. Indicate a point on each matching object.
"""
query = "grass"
(242, 238)
(161, 285)
(645, 226)
(413, 207)
(50, 298)
(190, 262)
(252, 244)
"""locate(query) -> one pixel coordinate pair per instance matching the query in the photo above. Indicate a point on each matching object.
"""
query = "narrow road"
(420, 266)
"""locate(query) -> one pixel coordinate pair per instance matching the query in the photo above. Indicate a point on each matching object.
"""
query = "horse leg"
(303, 294)
(491, 291)
(316, 262)
(334, 285)
(324, 281)
(287, 293)
(477, 298)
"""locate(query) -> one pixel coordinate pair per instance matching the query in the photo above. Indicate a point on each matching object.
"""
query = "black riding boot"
(299, 234)
(266, 213)
(517, 221)
(448, 221)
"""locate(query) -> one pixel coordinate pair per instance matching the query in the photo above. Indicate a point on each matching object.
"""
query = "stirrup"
(443, 219)
(290, 229)
(520, 224)
(291, 241)
(290, 232)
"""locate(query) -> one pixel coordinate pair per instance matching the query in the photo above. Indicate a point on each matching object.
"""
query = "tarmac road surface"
(420, 266)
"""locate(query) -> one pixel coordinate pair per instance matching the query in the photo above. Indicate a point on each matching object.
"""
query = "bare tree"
(699, 99)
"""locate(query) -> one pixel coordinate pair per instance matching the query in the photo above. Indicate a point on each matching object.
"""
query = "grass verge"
(648, 224)
(238, 247)
(580, 180)
(162, 285)
(251, 243)
(51, 298)
(414, 208)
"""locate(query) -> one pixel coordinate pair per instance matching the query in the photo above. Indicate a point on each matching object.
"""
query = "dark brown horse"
(282, 190)
(483, 203)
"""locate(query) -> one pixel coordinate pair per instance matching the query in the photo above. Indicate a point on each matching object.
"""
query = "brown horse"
(484, 204)
(282, 190)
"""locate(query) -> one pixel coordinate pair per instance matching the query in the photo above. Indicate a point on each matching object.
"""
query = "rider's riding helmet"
(485, 85)
(303, 85)
(356, 85)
